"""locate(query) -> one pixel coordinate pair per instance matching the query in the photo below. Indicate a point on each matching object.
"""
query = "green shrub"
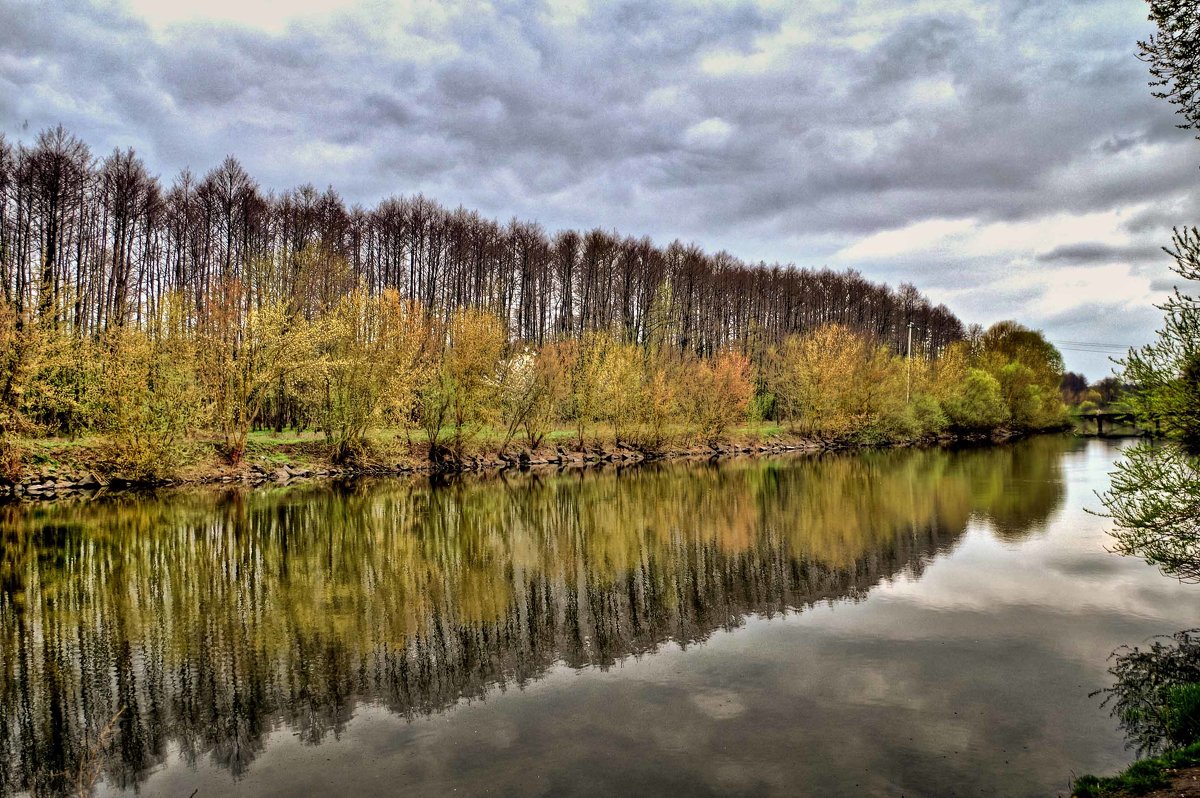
(762, 407)
(1182, 714)
(979, 405)
(928, 415)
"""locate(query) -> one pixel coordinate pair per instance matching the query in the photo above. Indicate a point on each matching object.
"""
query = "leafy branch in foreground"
(1155, 693)
(1174, 56)
(1166, 373)
(1154, 502)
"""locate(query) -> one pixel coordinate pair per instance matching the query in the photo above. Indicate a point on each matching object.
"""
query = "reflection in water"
(215, 618)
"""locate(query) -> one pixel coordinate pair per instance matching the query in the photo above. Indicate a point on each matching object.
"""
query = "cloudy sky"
(1004, 155)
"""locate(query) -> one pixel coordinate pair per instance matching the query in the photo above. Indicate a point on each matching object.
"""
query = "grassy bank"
(1156, 698)
(54, 466)
(1176, 773)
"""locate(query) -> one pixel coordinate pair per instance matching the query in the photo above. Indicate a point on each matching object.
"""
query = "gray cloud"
(1094, 252)
(778, 134)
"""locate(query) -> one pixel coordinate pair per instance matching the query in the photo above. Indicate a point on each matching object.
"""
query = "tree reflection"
(214, 618)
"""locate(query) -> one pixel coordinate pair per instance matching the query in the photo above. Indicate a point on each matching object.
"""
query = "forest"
(154, 318)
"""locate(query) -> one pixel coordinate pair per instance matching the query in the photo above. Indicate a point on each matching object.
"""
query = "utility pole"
(908, 380)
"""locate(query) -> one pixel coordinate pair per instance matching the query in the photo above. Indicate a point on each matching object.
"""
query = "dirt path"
(1185, 783)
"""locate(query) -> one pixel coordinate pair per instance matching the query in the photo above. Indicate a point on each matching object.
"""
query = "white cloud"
(566, 12)
(919, 237)
(710, 133)
(269, 15)
(971, 238)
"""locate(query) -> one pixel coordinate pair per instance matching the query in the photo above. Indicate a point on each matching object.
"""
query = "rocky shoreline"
(55, 482)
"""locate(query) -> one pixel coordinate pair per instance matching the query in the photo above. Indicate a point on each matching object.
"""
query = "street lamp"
(908, 355)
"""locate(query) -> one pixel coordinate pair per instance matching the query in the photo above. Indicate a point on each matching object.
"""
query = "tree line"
(91, 243)
(208, 310)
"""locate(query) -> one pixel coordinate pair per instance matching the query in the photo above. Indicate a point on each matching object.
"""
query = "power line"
(1093, 347)
(1094, 343)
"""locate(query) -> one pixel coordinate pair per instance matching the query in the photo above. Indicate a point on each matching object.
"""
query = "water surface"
(923, 623)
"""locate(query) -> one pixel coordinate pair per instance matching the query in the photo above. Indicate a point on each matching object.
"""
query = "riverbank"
(1172, 775)
(59, 467)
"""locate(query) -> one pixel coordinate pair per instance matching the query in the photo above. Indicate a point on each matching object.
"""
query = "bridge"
(1114, 419)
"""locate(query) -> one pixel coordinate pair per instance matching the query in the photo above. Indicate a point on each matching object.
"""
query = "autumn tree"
(242, 355)
(1029, 369)
(716, 394)
(462, 389)
(147, 397)
(533, 387)
(834, 382)
(621, 396)
(583, 362)
(978, 405)
(47, 377)
(40, 383)
(659, 397)
(370, 363)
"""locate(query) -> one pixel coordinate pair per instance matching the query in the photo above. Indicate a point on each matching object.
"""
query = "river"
(908, 622)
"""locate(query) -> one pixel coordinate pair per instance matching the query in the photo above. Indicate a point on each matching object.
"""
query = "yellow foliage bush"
(834, 383)
(147, 401)
(716, 394)
(369, 366)
(462, 389)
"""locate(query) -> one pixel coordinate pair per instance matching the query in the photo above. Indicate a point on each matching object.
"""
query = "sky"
(1005, 156)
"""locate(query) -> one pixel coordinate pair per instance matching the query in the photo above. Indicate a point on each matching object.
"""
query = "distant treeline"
(92, 243)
